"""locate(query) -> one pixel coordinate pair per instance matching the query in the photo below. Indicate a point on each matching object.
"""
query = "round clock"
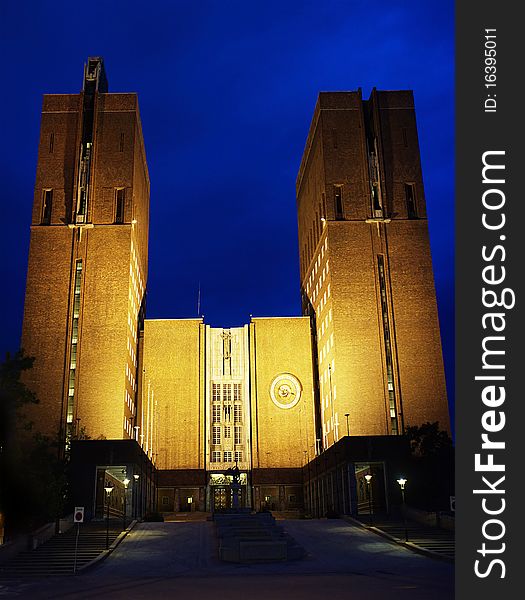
(285, 390)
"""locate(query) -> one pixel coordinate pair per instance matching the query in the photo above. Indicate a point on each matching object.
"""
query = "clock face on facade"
(285, 390)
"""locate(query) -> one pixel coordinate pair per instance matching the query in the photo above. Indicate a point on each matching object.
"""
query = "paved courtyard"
(179, 560)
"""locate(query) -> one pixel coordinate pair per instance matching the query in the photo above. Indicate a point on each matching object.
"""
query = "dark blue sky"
(226, 92)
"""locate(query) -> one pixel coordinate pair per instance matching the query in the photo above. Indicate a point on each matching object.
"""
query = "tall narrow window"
(237, 387)
(238, 456)
(216, 437)
(121, 146)
(120, 195)
(216, 415)
(410, 199)
(338, 202)
(51, 143)
(237, 413)
(47, 205)
(405, 137)
(227, 392)
(73, 350)
(388, 346)
(237, 434)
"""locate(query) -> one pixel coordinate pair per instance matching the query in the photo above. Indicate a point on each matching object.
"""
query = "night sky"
(226, 93)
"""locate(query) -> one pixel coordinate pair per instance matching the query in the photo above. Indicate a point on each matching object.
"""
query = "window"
(216, 392)
(215, 456)
(227, 413)
(292, 499)
(238, 456)
(237, 392)
(121, 147)
(165, 500)
(228, 456)
(216, 435)
(388, 346)
(237, 413)
(405, 137)
(227, 392)
(216, 414)
(51, 143)
(227, 432)
(120, 194)
(410, 199)
(47, 205)
(238, 434)
(338, 202)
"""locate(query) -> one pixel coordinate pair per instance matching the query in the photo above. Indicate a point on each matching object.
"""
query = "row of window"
(217, 434)
(315, 231)
(228, 455)
(223, 413)
(227, 389)
(51, 146)
(74, 342)
(47, 206)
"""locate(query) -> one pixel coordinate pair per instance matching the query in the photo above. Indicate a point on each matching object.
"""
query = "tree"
(33, 481)
(432, 476)
(428, 440)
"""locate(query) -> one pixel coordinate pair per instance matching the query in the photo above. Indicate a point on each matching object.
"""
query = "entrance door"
(221, 498)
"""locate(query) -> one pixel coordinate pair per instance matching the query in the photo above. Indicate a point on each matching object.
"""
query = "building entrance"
(221, 498)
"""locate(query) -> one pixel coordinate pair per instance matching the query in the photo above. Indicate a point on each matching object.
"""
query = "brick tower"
(366, 269)
(87, 267)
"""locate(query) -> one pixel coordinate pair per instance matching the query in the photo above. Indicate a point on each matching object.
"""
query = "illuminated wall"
(366, 270)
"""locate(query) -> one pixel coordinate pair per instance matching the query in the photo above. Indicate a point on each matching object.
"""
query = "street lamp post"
(347, 426)
(136, 493)
(402, 481)
(109, 488)
(369, 487)
(126, 483)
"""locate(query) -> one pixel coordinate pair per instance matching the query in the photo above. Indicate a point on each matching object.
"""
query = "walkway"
(344, 561)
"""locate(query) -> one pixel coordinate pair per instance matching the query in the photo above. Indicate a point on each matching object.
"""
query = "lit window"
(238, 456)
(228, 456)
(216, 415)
(215, 456)
(227, 432)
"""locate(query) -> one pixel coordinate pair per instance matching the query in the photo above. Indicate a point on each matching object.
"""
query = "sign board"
(78, 515)
(453, 503)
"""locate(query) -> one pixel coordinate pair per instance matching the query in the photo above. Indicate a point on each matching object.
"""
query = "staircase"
(57, 555)
(252, 538)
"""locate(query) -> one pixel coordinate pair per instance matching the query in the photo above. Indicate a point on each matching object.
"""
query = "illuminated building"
(266, 397)
(366, 269)
(88, 261)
